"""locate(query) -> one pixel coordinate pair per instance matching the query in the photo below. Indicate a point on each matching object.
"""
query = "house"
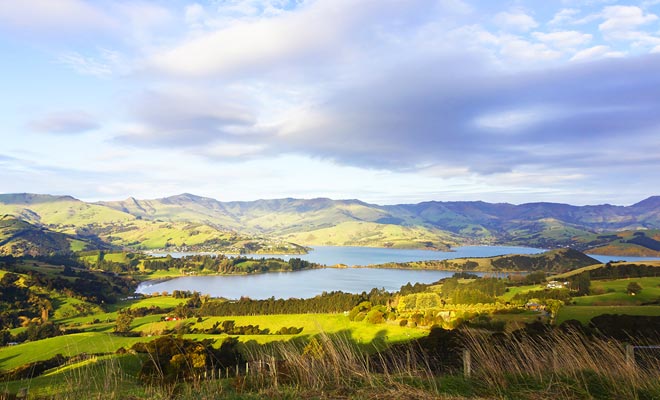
(556, 285)
(533, 306)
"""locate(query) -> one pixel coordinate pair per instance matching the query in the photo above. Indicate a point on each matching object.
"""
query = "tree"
(581, 283)
(124, 321)
(553, 306)
(634, 288)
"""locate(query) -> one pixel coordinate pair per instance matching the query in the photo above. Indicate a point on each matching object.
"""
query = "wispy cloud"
(102, 67)
(516, 20)
(64, 122)
(489, 94)
(54, 17)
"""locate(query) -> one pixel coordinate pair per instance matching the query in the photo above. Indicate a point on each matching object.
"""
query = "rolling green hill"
(553, 261)
(173, 226)
(20, 238)
(371, 234)
(187, 220)
(60, 211)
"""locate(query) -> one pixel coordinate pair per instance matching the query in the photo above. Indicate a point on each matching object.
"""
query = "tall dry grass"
(557, 365)
(562, 364)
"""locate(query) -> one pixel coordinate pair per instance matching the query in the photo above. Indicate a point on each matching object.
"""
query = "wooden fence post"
(273, 368)
(467, 363)
(630, 355)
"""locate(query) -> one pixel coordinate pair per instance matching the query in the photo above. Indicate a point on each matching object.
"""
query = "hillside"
(353, 222)
(106, 226)
(61, 211)
(553, 261)
(187, 220)
(20, 238)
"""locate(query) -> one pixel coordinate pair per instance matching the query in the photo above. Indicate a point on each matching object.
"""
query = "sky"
(387, 101)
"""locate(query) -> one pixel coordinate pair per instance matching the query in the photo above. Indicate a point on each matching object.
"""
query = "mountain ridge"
(324, 221)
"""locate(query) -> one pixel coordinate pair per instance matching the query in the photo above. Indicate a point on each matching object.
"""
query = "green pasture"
(615, 293)
(67, 345)
(596, 266)
(77, 245)
(94, 377)
(104, 342)
(312, 324)
(514, 290)
(361, 233)
(156, 235)
(586, 313)
(70, 213)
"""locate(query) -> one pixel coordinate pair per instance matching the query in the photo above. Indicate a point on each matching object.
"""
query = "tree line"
(332, 302)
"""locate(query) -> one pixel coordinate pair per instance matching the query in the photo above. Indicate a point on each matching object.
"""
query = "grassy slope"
(514, 290)
(359, 233)
(68, 345)
(585, 313)
(542, 232)
(549, 261)
(596, 266)
(100, 341)
(308, 222)
(616, 301)
(617, 243)
(155, 235)
(18, 237)
(93, 378)
(348, 222)
(617, 292)
(65, 211)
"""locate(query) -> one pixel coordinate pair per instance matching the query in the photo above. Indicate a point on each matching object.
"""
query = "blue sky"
(388, 101)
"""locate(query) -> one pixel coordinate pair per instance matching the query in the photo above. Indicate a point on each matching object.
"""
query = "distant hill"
(553, 261)
(187, 219)
(20, 238)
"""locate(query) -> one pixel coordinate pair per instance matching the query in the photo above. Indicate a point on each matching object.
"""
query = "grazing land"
(285, 226)
(73, 327)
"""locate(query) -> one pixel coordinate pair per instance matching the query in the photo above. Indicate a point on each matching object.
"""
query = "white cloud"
(596, 52)
(189, 117)
(103, 65)
(64, 122)
(194, 14)
(252, 43)
(512, 121)
(564, 39)
(225, 151)
(621, 22)
(564, 16)
(456, 6)
(516, 21)
(312, 38)
(53, 16)
(519, 49)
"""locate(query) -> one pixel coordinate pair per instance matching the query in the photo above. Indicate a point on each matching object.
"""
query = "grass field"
(596, 266)
(614, 292)
(360, 233)
(586, 313)
(514, 290)
(69, 212)
(68, 345)
(97, 337)
(93, 377)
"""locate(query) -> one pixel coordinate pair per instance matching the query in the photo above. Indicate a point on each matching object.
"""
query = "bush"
(174, 359)
(375, 316)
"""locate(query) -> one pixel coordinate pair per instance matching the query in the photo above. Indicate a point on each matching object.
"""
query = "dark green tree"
(633, 288)
(124, 321)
